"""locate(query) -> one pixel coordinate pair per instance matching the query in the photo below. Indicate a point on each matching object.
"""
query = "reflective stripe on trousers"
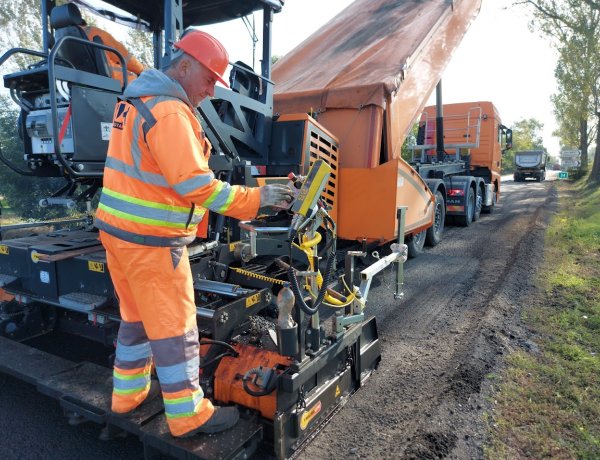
(154, 286)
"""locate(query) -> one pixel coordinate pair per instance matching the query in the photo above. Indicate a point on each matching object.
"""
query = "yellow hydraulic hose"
(306, 247)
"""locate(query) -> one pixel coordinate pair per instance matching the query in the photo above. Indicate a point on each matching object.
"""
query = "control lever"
(309, 194)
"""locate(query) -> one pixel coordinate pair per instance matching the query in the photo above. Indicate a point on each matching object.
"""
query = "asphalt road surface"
(459, 315)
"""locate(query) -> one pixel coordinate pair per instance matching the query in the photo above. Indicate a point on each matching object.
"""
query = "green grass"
(547, 405)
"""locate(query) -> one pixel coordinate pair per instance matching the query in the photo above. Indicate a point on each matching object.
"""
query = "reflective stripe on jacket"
(157, 183)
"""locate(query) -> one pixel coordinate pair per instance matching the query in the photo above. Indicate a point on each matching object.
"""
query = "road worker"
(157, 188)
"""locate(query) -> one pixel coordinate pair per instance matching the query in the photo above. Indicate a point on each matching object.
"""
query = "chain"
(6, 315)
(301, 404)
(250, 274)
(388, 277)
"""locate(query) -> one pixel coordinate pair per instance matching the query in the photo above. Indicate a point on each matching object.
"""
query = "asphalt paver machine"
(284, 334)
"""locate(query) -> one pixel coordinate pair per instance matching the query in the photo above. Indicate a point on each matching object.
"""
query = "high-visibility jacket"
(157, 183)
(134, 66)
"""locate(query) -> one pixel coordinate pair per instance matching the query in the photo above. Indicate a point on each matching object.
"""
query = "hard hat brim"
(219, 78)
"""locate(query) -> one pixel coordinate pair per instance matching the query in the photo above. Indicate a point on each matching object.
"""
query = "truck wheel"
(516, 177)
(478, 204)
(434, 233)
(415, 244)
(467, 218)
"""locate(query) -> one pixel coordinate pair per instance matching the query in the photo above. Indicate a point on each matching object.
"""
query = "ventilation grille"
(323, 148)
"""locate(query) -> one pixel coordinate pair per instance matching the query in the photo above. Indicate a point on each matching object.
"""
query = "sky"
(499, 59)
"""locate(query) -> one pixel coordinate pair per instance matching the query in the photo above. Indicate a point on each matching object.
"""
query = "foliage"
(21, 26)
(526, 136)
(411, 139)
(574, 29)
(20, 192)
(548, 403)
(139, 44)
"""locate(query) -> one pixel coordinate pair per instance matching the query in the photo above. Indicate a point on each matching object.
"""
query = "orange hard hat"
(207, 50)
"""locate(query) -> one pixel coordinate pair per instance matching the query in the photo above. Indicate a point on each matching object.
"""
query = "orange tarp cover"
(361, 56)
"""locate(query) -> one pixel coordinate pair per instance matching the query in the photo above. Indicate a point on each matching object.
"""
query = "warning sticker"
(337, 391)
(252, 300)
(44, 277)
(4, 249)
(105, 129)
(309, 415)
(95, 266)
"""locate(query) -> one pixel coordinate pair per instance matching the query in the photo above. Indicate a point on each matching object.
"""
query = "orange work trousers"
(156, 296)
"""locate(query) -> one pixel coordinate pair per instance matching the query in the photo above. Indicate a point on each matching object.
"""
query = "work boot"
(222, 419)
(153, 392)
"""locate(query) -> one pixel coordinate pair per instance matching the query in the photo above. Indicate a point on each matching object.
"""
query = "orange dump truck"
(467, 156)
(365, 78)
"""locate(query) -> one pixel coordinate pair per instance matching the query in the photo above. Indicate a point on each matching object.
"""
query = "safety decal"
(105, 129)
(252, 300)
(35, 257)
(4, 249)
(337, 391)
(44, 277)
(95, 266)
(309, 415)
(232, 246)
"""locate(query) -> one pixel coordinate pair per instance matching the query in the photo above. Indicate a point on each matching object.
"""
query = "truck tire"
(434, 233)
(467, 218)
(478, 204)
(516, 177)
(415, 244)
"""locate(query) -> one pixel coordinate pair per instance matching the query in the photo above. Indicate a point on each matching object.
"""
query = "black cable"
(217, 358)
(218, 342)
(13, 167)
(268, 390)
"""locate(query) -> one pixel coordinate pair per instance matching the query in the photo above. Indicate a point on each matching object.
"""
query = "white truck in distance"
(530, 163)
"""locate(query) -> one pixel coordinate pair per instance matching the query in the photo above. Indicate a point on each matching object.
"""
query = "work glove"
(275, 196)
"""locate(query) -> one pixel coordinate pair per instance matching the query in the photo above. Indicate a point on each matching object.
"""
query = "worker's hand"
(276, 196)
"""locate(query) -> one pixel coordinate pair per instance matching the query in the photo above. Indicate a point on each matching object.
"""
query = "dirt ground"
(460, 314)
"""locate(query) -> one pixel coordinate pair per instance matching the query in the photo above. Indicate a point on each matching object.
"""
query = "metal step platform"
(85, 389)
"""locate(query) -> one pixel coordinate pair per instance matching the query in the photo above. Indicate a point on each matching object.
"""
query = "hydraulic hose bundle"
(331, 246)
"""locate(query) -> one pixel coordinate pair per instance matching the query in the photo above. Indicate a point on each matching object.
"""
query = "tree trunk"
(583, 143)
(595, 174)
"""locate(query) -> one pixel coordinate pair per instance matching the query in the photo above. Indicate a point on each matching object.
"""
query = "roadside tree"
(526, 136)
(573, 27)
